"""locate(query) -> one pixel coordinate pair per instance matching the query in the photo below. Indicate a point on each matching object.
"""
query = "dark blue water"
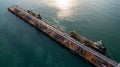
(21, 45)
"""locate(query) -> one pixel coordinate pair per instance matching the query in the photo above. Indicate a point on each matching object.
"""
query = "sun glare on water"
(62, 3)
(64, 7)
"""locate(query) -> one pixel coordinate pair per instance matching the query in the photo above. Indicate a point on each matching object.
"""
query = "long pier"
(92, 56)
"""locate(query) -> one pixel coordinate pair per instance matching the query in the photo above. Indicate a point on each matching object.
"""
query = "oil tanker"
(91, 51)
(98, 46)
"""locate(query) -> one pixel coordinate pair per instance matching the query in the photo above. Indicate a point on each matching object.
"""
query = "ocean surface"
(21, 45)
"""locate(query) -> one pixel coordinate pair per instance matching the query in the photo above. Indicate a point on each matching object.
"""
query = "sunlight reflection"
(64, 7)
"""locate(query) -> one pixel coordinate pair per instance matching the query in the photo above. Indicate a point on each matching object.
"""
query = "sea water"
(21, 45)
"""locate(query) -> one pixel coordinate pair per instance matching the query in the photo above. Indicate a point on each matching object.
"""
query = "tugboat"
(98, 46)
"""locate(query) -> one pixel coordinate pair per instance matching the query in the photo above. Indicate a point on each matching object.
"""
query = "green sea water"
(21, 45)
